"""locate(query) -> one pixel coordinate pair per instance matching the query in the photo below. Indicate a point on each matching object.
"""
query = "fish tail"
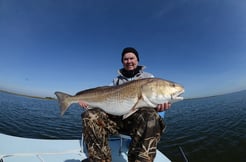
(64, 105)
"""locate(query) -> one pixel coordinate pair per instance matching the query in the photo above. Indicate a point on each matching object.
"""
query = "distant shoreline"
(44, 98)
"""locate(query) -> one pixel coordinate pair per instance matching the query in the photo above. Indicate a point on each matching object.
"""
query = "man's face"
(130, 61)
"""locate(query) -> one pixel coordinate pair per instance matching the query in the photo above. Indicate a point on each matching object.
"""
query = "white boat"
(18, 149)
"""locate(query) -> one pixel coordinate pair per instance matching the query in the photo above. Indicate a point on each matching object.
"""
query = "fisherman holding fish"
(145, 126)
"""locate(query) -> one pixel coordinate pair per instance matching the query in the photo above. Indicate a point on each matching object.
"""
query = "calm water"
(208, 129)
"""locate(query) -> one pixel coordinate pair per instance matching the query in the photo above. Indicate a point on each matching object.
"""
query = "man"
(144, 126)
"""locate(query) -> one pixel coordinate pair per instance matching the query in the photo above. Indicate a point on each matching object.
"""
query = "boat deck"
(13, 149)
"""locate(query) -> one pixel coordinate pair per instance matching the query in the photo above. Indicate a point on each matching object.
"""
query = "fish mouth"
(177, 95)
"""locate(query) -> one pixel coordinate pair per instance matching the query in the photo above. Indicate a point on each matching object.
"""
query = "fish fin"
(141, 98)
(64, 105)
(145, 98)
(129, 113)
(133, 109)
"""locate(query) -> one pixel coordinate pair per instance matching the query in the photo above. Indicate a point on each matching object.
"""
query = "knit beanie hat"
(129, 49)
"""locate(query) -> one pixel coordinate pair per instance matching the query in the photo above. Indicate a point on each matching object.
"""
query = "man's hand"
(83, 104)
(163, 107)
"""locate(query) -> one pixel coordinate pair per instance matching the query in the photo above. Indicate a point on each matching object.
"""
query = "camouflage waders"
(144, 126)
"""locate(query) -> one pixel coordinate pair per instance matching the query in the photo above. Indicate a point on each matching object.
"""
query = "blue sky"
(71, 45)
